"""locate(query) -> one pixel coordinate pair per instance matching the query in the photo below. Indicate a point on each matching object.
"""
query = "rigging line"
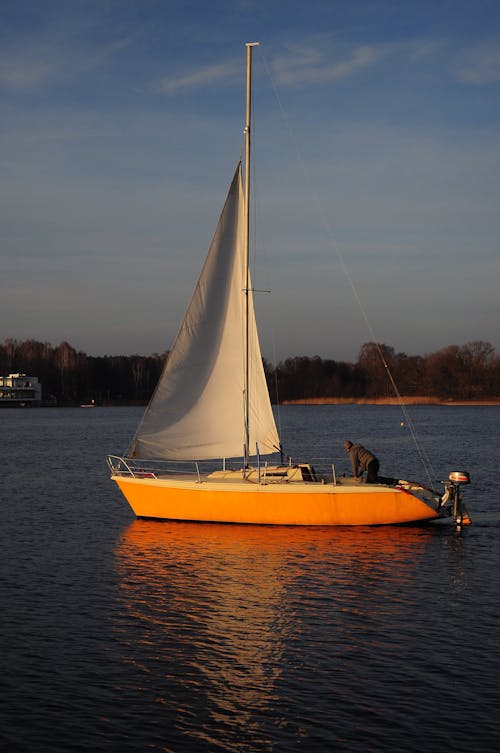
(329, 234)
(424, 457)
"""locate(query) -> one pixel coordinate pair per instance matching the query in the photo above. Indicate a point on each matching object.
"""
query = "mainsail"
(198, 409)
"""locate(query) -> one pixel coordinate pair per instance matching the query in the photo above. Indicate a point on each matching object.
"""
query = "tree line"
(71, 376)
(456, 372)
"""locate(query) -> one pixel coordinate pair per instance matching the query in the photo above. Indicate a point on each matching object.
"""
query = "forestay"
(198, 409)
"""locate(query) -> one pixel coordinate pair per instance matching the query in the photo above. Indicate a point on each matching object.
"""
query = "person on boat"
(362, 460)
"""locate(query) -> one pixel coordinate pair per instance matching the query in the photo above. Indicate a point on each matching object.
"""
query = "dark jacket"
(360, 457)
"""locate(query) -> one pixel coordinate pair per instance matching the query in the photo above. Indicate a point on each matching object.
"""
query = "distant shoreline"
(416, 400)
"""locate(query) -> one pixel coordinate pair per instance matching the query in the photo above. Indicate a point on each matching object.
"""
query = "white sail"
(198, 409)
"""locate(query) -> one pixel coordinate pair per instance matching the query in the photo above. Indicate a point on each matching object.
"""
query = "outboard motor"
(453, 496)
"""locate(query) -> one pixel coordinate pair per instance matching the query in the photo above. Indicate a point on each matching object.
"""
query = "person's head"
(347, 445)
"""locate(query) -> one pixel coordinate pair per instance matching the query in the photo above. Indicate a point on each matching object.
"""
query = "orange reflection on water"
(216, 606)
(197, 540)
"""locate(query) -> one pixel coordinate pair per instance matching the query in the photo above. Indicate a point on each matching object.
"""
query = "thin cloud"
(309, 65)
(480, 65)
(201, 77)
(304, 65)
(19, 73)
(39, 63)
(324, 59)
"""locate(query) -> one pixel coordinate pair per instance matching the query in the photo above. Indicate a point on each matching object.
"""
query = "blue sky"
(377, 153)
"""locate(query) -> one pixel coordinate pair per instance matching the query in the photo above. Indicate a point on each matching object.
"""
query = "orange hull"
(287, 504)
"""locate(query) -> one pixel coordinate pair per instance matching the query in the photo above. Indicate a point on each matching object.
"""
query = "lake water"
(124, 635)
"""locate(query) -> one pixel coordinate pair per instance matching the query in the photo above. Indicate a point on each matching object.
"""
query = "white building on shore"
(20, 389)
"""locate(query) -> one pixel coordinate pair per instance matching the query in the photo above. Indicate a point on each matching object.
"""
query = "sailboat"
(211, 405)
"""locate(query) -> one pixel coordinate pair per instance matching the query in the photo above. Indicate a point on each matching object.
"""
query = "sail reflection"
(213, 617)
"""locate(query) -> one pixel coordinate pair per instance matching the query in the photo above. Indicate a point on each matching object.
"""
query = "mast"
(249, 46)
